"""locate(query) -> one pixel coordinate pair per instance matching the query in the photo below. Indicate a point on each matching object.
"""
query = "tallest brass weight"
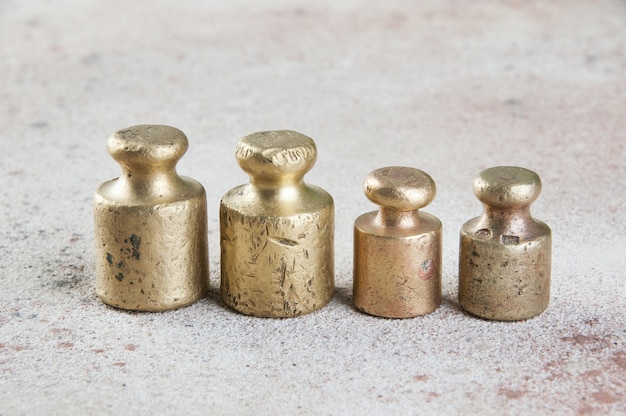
(276, 231)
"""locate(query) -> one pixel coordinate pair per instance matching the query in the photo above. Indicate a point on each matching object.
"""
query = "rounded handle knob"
(507, 187)
(399, 187)
(147, 145)
(276, 157)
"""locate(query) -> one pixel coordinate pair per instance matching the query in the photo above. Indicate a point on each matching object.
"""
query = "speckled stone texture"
(444, 86)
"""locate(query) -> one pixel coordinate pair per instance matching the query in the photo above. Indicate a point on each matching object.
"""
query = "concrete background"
(445, 86)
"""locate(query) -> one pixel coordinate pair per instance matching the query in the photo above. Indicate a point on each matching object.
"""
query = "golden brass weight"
(397, 249)
(150, 225)
(277, 252)
(505, 254)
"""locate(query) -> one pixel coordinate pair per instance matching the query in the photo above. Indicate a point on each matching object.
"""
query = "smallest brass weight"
(505, 254)
(397, 249)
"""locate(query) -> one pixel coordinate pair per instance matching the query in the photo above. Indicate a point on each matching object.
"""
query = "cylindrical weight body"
(501, 277)
(151, 258)
(276, 265)
(395, 275)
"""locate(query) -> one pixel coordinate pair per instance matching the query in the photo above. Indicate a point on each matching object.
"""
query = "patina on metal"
(397, 249)
(150, 225)
(277, 251)
(505, 254)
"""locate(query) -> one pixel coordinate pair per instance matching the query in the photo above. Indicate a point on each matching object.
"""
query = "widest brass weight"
(505, 254)
(277, 233)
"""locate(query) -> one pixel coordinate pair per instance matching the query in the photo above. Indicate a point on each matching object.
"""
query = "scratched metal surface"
(447, 87)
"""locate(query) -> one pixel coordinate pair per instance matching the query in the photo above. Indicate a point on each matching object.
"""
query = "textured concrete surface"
(448, 87)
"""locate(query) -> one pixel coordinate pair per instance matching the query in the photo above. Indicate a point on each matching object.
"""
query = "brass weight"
(397, 249)
(150, 225)
(505, 254)
(276, 231)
